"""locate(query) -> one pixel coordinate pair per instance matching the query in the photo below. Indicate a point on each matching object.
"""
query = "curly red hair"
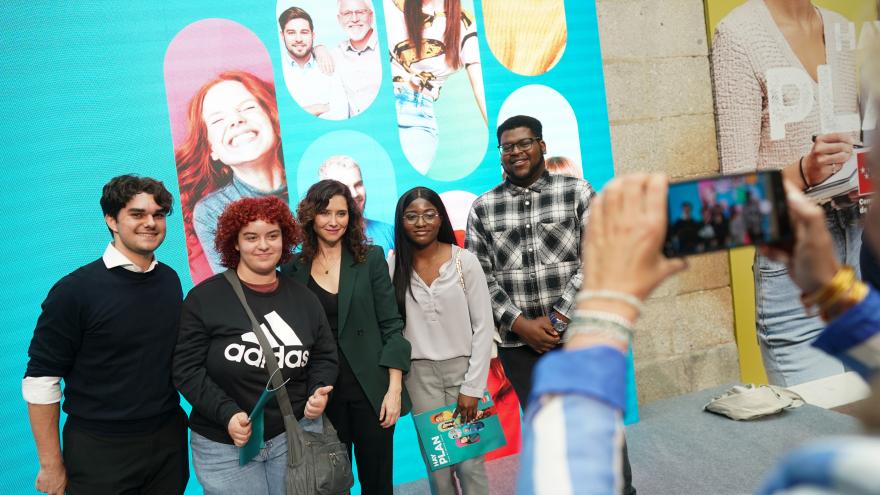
(197, 173)
(246, 210)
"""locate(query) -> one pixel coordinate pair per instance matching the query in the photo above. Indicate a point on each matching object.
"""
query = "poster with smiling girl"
(225, 129)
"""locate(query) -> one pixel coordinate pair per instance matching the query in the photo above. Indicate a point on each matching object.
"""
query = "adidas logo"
(281, 338)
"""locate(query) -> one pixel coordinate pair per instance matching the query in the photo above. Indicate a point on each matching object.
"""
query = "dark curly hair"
(246, 210)
(315, 201)
(121, 189)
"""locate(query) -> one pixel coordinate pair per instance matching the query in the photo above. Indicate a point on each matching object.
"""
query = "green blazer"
(370, 326)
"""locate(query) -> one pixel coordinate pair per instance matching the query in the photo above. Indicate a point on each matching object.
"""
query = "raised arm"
(854, 336)
(573, 428)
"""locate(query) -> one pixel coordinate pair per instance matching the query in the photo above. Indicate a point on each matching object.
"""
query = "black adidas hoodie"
(218, 364)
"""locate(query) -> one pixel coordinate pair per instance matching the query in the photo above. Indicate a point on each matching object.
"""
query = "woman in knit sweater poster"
(786, 98)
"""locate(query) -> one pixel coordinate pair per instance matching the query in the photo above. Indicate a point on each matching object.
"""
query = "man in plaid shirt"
(526, 232)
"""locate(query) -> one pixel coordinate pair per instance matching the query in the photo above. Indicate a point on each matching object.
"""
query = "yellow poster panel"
(858, 11)
(741, 279)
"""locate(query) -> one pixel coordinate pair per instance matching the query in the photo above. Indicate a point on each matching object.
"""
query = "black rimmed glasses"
(521, 145)
(428, 217)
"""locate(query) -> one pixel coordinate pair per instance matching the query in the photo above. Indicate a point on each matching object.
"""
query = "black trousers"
(145, 464)
(358, 428)
(519, 362)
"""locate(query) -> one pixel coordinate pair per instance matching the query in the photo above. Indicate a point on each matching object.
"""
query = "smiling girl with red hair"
(232, 150)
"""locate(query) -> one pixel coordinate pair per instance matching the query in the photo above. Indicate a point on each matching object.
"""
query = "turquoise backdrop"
(85, 100)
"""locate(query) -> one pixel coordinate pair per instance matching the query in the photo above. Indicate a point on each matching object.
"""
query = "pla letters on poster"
(790, 91)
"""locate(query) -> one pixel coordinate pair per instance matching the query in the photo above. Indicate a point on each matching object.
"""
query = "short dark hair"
(294, 13)
(521, 121)
(119, 191)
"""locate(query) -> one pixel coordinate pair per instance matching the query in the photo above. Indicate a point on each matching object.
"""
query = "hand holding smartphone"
(726, 211)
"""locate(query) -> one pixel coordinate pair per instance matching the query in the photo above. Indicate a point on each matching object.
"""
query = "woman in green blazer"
(350, 278)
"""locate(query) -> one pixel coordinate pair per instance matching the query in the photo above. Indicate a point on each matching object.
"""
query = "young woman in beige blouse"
(442, 294)
(771, 35)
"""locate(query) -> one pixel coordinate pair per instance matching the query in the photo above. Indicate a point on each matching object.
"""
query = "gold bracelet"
(857, 293)
(836, 295)
(841, 282)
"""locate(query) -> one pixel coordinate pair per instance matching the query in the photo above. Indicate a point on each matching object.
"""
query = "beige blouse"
(746, 44)
(453, 318)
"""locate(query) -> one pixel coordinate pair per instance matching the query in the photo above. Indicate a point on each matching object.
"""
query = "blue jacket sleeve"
(561, 452)
(837, 465)
(854, 337)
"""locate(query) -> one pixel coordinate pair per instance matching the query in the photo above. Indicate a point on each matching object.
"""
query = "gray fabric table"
(677, 448)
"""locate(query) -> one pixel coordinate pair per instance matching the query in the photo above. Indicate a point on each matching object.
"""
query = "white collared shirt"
(361, 72)
(309, 86)
(113, 257)
(47, 389)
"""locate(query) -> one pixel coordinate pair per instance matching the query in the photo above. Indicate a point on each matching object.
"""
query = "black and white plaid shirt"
(528, 242)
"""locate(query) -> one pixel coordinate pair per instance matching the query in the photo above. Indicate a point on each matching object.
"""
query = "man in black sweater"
(108, 330)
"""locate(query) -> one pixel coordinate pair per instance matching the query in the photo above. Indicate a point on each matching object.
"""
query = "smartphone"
(726, 211)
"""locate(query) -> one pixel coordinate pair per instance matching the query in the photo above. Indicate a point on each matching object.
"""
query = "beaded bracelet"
(612, 295)
(587, 324)
(603, 315)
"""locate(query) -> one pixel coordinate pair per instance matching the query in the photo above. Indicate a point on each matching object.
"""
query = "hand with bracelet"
(827, 155)
(812, 265)
(623, 259)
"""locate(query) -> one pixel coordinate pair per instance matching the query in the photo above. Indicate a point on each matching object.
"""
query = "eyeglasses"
(521, 145)
(348, 14)
(428, 217)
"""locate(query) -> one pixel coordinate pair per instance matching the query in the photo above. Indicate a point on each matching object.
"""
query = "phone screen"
(723, 212)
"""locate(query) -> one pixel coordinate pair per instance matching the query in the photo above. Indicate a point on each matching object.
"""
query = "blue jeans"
(785, 331)
(417, 127)
(217, 469)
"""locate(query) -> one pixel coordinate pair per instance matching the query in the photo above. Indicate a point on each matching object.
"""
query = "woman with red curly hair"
(350, 278)
(232, 150)
(218, 361)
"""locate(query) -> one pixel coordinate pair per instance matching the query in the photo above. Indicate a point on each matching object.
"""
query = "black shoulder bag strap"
(295, 451)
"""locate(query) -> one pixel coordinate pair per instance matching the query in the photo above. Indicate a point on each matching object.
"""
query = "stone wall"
(656, 61)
